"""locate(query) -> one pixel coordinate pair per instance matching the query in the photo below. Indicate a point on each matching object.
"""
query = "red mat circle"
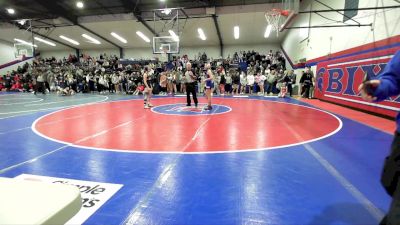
(126, 126)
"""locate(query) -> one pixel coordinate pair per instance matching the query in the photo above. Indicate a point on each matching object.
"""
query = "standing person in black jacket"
(307, 82)
(190, 85)
(291, 82)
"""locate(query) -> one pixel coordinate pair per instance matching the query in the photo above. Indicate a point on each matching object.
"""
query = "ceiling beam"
(221, 44)
(128, 4)
(53, 6)
(135, 8)
(138, 16)
(104, 8)
(184, 13)
(330, 26)
(140, 19)
(351, 9)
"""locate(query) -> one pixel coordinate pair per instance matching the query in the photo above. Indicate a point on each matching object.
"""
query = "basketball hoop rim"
(277, 12)
(274, 10)
(273, 17)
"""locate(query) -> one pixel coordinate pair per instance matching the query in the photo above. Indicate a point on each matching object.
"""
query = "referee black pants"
(191, 89)
(391, 182)
(40, 86)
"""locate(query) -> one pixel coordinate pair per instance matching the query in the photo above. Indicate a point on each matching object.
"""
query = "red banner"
(338, 77)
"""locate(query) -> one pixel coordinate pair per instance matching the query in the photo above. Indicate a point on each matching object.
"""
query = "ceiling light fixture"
(10, 11)
(22, 22)
(44, 41)
(92, 39)
(174, 36)
(201, 34)
(121, 39)
(144, 37)
(79, 4)
(236, 32)
(24, 42)
(69, 40)
(166, 11)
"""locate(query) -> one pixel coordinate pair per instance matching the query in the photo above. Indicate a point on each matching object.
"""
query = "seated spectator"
(139, 89)
(17, 87)
(283, 85)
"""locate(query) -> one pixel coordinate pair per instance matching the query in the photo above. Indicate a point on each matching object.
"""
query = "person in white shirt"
(115, 81)
(40, 83)
(250, 82)
(243, 82)
(261, 81)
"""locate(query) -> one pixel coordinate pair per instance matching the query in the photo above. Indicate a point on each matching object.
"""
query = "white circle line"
(193, 153)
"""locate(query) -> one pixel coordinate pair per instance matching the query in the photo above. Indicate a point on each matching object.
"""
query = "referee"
(190, 84)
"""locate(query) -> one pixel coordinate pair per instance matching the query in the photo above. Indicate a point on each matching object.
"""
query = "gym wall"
(340, 57)
(325, 41)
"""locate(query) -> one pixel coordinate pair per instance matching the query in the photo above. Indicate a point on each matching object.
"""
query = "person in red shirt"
(17, 78)
(16, 86)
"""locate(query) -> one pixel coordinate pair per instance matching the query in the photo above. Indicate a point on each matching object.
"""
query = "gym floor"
(251, 160)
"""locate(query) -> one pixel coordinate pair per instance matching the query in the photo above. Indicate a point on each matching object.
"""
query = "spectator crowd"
(245, 72)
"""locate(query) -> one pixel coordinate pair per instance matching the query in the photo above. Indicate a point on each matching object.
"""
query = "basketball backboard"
(166, 44)
(22, 50)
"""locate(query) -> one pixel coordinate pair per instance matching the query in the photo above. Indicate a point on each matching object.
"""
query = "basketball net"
(273, 17)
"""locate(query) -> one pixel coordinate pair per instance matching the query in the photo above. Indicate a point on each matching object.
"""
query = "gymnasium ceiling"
(99, 18)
